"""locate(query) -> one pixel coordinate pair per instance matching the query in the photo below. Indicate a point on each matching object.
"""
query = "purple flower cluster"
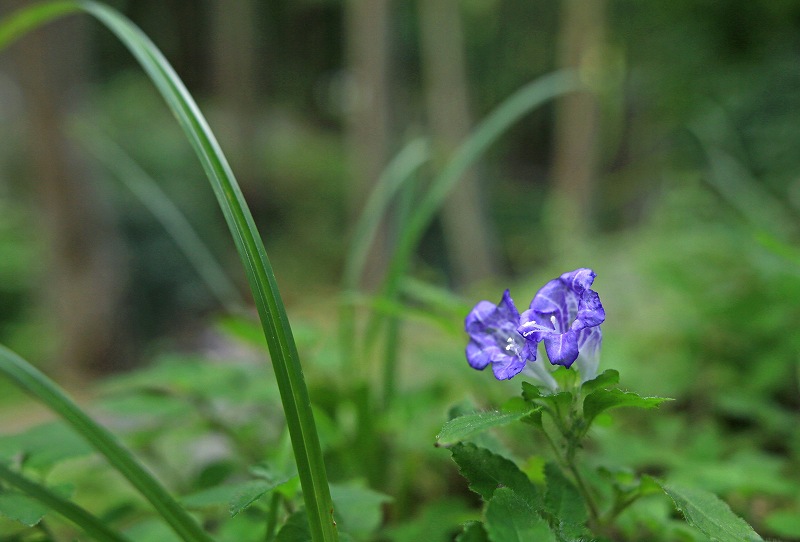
(565, 315)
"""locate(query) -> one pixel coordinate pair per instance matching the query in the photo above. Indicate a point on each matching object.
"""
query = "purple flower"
(494, 338)
(566, 315)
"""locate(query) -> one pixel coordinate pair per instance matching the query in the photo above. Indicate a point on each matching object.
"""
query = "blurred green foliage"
(702, 294)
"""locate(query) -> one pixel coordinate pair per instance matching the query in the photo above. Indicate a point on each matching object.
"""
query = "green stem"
(619, 507)
(594, 513)
(567, 459)
(272, 516)
(31, 380)
(275, 323)
(487, 132)
(71, 511)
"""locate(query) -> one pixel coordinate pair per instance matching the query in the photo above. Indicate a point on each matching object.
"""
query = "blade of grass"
(147, 191)
(90, 524)
(285, 359)
(32, 381)
(396, 174)
(23, 21)
(393, 177)
(487, 132)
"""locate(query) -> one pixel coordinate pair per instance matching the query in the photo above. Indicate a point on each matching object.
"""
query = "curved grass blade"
(487, 132)
(392, 179)
(31, 380)
(397, 172)
(91, 525)
(23, 21)
(174, 222)
(285, 360)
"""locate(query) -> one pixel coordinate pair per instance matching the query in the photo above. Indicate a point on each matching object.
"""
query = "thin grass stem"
(32, 381)
(285, 359)
(90, 524)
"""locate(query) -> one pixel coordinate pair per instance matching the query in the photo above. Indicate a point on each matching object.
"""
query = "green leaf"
(358, 509)
(565, 503)
(44, 445)
(283, 350)
(510, 519)
(473, 532)
(21, 508)
(707, 513)
(558, 401)
(530, 392)
(295, 529)
(785, 523)
(23, 21)
(463, 427)
(54, 500)
(221, 495)
(601, 400)
(487, 472)
(604, 380)
(249, 493)
(30, 379)
(236, 497)
(434, 523)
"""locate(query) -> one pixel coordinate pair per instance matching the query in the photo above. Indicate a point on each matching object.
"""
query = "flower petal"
(562, 349)
(534, 327)
(477, 317)
(589, 341)
(477, 356)
(590, 311)
(507, 367)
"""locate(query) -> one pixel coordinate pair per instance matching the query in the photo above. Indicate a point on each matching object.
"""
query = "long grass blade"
(394, 177)
(285, 359)
(32, 381)
(23, 21)
(396, 173)
(90, 524)
(487, 132)
(174, 222)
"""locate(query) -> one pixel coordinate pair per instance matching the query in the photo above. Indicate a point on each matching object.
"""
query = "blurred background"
(676, 176)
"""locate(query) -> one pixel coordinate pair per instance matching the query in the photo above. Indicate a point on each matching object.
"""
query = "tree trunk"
(470, 246)
(233, 70)
(577, 123)
(84, 285)
(369, 126)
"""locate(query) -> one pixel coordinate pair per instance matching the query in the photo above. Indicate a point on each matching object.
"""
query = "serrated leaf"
(358, 508)
(214, 496)
(510, 519)
(601, 400)
(295, 529)
(250, 493)
(463, 427)
(606, 379)
(564, 502)
(532, 394)
(237, 497)
(709, 514)
(473, 532)
(534, 418)
(45, 445)
(21, 508)
(487, 471)
(433, 523)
